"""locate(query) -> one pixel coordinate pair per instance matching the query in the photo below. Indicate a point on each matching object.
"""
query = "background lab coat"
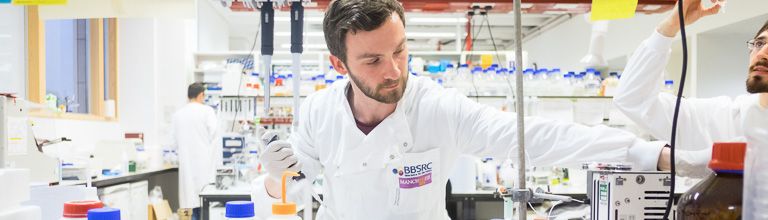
(194, 129)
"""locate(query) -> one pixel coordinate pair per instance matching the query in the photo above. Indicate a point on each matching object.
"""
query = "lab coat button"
(365, 164)
(405, 144)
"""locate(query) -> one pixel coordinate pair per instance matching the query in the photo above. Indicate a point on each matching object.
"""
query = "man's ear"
(338, 65)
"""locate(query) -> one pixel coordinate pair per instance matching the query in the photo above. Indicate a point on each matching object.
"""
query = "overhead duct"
(595, 57)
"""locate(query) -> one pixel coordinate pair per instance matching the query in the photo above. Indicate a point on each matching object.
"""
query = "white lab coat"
(701, 121)
(400, 169)
(194, 128)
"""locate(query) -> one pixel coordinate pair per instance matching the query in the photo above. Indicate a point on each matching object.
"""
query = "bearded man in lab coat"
(701, 121)
(386, 141)
(194, 129)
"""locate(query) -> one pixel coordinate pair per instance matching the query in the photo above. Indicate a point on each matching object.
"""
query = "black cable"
(469, 57)
(675, 117)
(242, 72)
(496, 50)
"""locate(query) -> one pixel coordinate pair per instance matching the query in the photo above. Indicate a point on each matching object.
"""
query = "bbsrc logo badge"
(414, 176)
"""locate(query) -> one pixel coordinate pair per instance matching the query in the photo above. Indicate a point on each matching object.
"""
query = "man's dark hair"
(764, 28)
(194, 90)
(344, 16)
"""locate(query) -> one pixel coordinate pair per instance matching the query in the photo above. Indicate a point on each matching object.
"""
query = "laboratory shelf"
(103, 181)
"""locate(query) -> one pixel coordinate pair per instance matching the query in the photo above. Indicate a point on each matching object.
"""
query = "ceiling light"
(526, 5)
(566, 6)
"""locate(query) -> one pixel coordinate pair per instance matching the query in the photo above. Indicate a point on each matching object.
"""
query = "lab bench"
(166, 177)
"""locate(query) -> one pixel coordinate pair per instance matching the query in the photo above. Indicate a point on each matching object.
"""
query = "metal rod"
(522, 215)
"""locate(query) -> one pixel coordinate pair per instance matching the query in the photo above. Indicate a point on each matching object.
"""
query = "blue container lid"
(477, 68)
(591, 70)
(568, 76)
(104, 214)
(495, 65)
(239, 209)
(464, 65)
(290, 75)
(339, 77)
(328, 81)
(449, 65)
(669, 82)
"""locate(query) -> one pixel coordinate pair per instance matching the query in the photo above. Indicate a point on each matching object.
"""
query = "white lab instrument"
(18, 147)
(617, 195)
(14, 193)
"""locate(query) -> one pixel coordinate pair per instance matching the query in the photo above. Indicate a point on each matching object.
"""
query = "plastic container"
(240, 210)
(284, 210)
(719, 195)
(78, 210)
(104, 214)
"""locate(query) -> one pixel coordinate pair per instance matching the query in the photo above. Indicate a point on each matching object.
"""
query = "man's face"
(758, 67)
(377, 61)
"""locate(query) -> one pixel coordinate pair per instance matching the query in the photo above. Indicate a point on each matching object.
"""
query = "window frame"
(36, 87)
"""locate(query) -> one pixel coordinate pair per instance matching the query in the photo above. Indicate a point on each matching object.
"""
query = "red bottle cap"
(728, 156)
(79, 209)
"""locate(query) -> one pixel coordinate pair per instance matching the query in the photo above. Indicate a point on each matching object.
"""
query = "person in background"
(702, 121)
(193, 131)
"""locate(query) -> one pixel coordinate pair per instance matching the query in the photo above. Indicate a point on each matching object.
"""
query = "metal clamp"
(517, 195)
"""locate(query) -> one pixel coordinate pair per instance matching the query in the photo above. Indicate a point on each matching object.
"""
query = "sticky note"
(613, 9)
(39, 2)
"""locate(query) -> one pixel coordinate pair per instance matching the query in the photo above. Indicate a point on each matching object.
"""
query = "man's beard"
(374, 93)
(757, 84)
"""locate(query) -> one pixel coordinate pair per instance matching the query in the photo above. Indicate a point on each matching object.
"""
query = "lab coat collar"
(395, 125)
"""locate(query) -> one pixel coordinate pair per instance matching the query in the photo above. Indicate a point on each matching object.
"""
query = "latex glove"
(278, 156)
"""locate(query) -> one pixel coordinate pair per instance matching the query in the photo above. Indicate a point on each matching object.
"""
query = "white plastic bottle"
(240, 210)
(449, 74)
(610, 84)
(78, 210)
(284, 210)
(592, 83)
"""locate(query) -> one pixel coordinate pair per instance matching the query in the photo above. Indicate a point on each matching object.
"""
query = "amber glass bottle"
(718, 196)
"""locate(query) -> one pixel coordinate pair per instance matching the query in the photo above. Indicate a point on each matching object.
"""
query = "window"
(75, 61)
(66, 65)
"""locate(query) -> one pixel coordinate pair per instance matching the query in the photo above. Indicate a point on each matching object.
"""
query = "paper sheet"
(613, 9)
(17, 135)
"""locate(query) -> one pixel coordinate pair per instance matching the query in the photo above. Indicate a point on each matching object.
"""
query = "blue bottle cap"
(464, 65)
(328, 81)
(239, 209)
(104, 214)
(669, 82)
(449, 65)
(339, 77)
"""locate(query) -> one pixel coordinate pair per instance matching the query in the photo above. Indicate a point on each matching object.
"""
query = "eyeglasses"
(755, 44)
